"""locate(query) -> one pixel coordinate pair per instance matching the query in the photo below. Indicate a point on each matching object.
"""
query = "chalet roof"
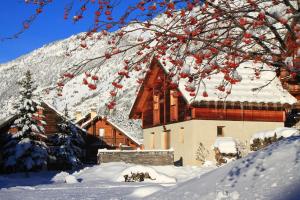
(123, 125)
(266, 89)
(9, 120)
(83, 119)
(263, 89)
(62, 116)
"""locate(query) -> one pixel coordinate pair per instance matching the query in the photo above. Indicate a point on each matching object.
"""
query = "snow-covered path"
(92, 190)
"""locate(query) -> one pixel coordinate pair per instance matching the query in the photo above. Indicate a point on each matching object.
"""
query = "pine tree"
(68, 143)
(25, 150)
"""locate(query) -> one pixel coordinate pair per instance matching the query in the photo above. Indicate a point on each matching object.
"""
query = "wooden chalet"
(289, 76)
(291, 82)
(105, 133)
(48, 114)
(173, 117)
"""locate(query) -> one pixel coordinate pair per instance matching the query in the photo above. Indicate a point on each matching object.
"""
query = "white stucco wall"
(204, 131)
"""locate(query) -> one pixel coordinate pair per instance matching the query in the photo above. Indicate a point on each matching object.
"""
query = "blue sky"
(48, 27)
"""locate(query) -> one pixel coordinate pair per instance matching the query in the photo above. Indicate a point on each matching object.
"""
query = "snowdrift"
(271, 173)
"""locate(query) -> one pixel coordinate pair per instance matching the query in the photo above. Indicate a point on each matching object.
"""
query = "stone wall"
(143, 157)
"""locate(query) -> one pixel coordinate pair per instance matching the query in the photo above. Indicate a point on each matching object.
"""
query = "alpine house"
(178, 118)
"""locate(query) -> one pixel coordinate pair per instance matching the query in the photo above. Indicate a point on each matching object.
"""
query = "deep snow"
(97, 182)
(271, 173)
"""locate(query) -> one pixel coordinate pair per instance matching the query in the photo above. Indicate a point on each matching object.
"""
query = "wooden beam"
(165, 99)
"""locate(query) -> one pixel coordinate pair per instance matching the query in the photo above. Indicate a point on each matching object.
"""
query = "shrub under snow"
(155, 176)
(226, 149)
(70, 179)
(264, 138)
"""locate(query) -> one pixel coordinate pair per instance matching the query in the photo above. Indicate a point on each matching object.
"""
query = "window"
(101, 132)
(173, 98)
(166, 139)
(156, 109)
(152, 140)
(181, 135)
(173, 106)
(220, 131)
(156, 102)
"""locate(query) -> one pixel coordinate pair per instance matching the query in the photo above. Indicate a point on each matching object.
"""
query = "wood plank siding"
(112, 136)
(238, 114)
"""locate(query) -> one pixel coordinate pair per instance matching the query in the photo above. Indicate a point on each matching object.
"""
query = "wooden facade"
(238, 114)
(158, 103)
(45, 113)
(103, 134)
(290, 82)
(105, 131)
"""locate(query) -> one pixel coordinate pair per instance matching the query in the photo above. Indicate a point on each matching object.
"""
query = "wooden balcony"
(115, 142)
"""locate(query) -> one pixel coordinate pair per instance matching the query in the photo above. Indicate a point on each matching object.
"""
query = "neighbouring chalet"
(105, 132)
(291, 82)
(48, 114)
(172, 118)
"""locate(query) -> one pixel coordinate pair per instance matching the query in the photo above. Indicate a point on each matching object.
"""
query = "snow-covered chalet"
(108, 132)
(173, 118)
(48, 114)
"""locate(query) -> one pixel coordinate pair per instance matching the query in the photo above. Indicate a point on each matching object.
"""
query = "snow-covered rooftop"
(226, 145)
(244, 91)
(123, 124)
(279, 132)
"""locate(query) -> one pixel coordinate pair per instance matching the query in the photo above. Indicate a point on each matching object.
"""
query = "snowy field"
(98, 182)
(272, 173)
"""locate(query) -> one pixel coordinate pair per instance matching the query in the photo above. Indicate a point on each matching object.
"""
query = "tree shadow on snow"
(21, 179)
(33, 179)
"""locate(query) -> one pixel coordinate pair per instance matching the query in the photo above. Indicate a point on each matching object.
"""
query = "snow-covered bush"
(66, 152)
(262, 139)
(140, 173)
(24, 150)
(137, 177)
(201, 153)
(226, 149)
(70, 179)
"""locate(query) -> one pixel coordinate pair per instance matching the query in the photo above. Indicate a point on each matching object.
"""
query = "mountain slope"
(48, 62)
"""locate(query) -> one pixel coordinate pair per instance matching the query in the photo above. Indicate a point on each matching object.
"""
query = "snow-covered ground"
(271, 173)
(97, 182)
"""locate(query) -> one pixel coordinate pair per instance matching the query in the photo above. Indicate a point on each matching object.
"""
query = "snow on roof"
(62, 115)
(7, 120)
(131, 130)
(280, 132)
(126, 132)
(226, 145)
(243, 91)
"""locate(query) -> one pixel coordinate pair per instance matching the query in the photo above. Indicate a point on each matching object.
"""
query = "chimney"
(78, 115)
(93, 112)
